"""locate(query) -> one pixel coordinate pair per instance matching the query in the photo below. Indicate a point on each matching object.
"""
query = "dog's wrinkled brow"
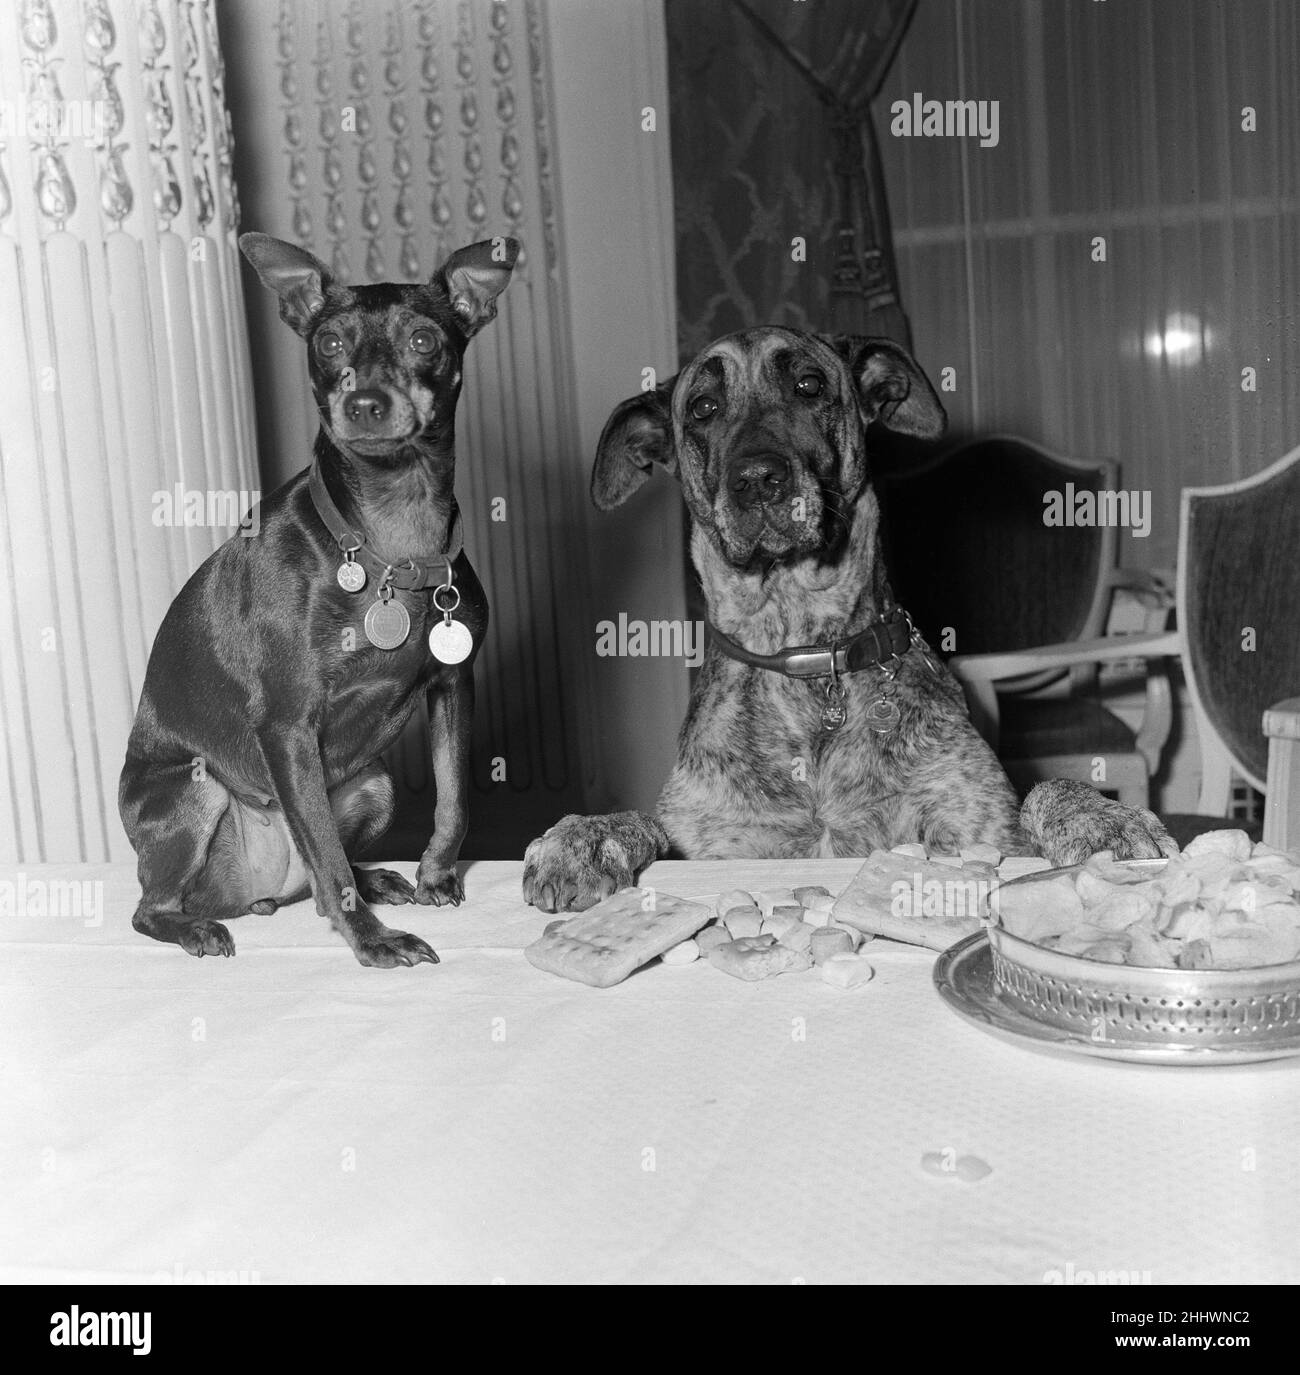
(788, 359)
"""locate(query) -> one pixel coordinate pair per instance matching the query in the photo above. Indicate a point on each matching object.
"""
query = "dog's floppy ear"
(297, 278)
(475, 277)
(891, 386)
(638, 434)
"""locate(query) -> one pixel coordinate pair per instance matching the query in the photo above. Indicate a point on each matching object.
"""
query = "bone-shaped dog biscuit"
(603, 945)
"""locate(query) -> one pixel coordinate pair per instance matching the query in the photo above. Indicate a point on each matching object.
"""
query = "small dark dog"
(292, 659)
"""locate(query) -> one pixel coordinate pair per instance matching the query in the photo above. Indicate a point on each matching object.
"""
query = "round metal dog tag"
(387, 624)
(883, 715)
(450, 642)
(351, 576)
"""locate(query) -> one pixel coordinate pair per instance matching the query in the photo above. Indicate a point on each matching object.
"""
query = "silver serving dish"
(1125, 1012)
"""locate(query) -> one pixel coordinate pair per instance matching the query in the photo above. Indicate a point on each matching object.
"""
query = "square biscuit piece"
(882, 899)
(604, 944)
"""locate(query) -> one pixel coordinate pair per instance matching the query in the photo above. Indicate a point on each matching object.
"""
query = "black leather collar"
(406, 573)
(879, 644)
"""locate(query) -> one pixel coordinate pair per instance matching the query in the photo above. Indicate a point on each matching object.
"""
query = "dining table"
(288, 1116)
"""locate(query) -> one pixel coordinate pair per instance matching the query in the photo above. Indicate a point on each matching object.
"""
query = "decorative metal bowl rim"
(1198, 997)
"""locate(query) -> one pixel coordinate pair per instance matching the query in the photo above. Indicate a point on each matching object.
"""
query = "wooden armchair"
(982, 574)
(1238, 636)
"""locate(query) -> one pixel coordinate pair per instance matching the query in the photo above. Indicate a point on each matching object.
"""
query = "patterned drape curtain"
(773, 143)
(126, 443)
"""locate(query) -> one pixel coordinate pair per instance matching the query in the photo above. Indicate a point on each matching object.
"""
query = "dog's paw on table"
(383, 887)
(1068, 821)
(205, 937)
(379, 947)
(438, 888)
(584, 859)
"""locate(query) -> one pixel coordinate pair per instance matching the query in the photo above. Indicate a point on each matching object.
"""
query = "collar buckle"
(813, 663)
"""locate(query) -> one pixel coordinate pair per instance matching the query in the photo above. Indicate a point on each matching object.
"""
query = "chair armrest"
(992, 668)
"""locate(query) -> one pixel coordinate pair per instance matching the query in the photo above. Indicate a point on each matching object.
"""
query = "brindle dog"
(767, 431)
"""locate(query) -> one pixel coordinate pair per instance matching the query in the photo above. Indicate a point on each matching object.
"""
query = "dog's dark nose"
(367, 409)
(758, 480)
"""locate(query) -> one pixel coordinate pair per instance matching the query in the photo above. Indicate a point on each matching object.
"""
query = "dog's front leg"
(451, 716)
(1066, 821)
(583, 859)
(293, 758)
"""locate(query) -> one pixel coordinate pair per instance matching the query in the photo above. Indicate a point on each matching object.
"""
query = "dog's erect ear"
(475, 277)
(296, 277)
(637, 435)
(891, 386)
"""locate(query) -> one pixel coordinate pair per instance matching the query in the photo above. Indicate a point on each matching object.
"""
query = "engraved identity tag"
(351, 576)
(883, 715)
(387, 624)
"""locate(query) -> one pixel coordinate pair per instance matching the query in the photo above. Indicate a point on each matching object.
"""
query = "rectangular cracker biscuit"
(868, 903)
(604, 944)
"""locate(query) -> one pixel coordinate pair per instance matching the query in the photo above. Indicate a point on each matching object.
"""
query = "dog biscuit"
(828, 941)
(1017, 866)
(1234, 844)
(737, 897)
(758, 957)
(603, 945)
(685, 953)
(782, 919)
(743, 921)
(712, 935)
(922, 902)
(799, 936)
(847, 971)
(775, 897)
(817, 916)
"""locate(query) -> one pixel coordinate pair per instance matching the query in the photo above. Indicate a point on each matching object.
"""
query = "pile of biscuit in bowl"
(1220, 904)
(1193, 956)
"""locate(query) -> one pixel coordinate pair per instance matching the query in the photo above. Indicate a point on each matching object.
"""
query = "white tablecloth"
(287, 1115)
